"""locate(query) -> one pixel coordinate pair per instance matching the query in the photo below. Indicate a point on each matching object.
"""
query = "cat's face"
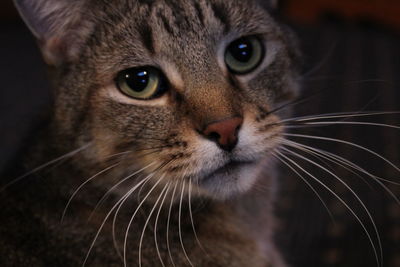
(186, 86)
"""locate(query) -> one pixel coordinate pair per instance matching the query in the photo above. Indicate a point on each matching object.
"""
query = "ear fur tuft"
(52, 22)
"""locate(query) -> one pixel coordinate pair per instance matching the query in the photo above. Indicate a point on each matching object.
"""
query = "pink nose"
(224, 133)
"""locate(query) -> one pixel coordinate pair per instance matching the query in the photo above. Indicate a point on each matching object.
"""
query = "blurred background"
(351, 64)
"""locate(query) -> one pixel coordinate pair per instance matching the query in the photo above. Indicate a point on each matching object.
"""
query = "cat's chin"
(231, 179)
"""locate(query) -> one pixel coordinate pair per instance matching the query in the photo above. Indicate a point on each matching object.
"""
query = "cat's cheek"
(206, 156)
(257, 137)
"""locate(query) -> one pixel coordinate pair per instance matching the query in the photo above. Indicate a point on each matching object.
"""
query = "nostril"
(238, 129)
(224, 133)
(214, 136)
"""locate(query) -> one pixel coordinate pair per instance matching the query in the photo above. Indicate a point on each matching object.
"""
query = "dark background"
(352, 60)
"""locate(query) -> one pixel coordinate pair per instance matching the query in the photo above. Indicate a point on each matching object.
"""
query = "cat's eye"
(142, 83)
(244, 55)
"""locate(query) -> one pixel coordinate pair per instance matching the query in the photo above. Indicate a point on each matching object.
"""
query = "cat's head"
(185, 87)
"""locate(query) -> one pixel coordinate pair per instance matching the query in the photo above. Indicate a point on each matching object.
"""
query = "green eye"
(244, 55)
(142, 83)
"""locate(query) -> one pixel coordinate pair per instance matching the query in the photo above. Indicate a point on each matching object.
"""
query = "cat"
(165, 116)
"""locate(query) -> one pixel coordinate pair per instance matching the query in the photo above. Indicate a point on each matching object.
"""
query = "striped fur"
(186, 40)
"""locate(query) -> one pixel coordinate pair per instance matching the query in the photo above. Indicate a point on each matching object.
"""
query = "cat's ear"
(56, 24)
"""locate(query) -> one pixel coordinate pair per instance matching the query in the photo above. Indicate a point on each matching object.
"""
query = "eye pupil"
(137, 80)
(242, 50)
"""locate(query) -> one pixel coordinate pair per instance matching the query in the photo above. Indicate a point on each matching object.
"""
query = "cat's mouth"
(229, 168)
(231, 178)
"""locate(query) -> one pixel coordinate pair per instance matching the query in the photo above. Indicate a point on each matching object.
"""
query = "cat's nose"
(224, 132)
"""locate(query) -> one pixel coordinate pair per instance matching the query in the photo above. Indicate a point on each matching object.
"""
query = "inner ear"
(56, 24)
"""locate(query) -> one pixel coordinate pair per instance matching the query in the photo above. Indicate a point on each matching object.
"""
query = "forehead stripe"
(166, 24)
(221, 15)
(146, 34)
(147, 2)
(199, 12)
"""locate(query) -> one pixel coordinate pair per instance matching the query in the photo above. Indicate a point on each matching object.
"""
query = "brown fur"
(183, 38)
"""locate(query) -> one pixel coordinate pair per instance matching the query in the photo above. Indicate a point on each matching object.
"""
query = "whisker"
(41, 167)
(106, 218)
(300, 122)
(180, 226)
(321, 156)
(122, 203)
(264, 189)
(359, 201)
(116, 185)
(340, 160)
(307, 183)
(123, 199)
(163, 165)
(156, 223)
(168, 223)
(83, 184)
(347, 143)
(352, 123)
(120, 154)
(152, 148)
(148, 219)
(321, 63)
(132, 218)
(190, 209)
(370, 81)
(339, 115)
(191, 218)
(293, 103)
